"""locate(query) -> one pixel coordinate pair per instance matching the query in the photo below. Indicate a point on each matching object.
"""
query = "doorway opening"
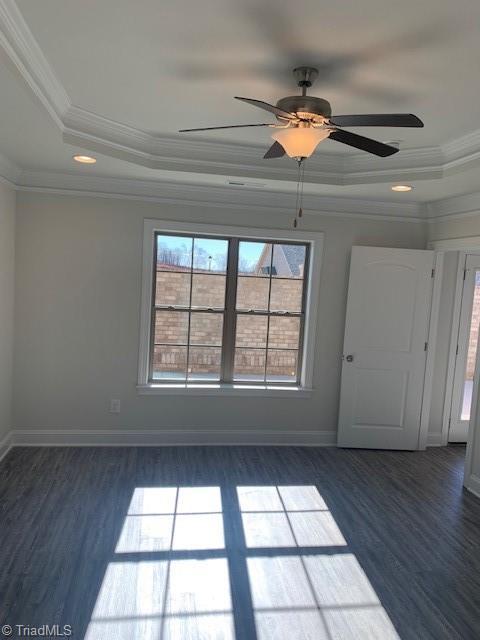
(466, 351)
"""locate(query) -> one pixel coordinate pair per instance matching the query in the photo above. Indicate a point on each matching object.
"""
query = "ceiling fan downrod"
(305, 77)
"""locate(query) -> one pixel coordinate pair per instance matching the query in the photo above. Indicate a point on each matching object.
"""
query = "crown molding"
(94, 132)
(192, 156)
(457, 151)
(241, 198)
(425, 163)
(9, 172)
(179, 153)
(20, 45)
(174, 153)
(463, 206)
(216, 196)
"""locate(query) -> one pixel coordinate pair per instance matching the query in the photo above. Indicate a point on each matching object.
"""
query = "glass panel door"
(471, 351)
(466, 351)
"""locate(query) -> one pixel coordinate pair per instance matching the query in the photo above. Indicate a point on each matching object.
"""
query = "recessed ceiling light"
(402, 187)
(85, 159)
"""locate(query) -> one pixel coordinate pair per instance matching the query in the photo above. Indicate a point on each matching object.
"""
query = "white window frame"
(315, 242)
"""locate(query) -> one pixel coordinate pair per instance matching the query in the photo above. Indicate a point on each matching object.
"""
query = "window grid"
(229, 311)
(268, 307)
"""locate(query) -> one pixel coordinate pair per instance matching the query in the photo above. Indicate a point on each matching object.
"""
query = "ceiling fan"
(304, 121)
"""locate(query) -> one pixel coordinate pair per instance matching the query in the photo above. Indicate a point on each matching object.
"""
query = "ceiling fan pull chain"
(300, 209)
(297, 198)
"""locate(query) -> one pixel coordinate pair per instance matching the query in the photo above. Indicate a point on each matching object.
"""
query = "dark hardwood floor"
(352, 545)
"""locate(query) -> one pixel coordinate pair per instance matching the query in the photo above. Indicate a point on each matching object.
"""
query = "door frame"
(462, 246)
(432, 340)
(466, 290)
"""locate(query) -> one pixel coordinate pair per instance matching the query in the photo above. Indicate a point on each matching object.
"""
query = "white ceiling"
(160, 66)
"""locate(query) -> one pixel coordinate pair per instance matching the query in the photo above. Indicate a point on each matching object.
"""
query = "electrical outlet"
(114, 406)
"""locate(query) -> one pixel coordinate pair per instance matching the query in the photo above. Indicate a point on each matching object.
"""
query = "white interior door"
(466, 352)
(385, 344)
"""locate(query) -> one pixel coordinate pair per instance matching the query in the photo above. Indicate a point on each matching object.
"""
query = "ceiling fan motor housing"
(306, 104)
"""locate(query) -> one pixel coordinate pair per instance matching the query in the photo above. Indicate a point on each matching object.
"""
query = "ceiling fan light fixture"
(300, 142)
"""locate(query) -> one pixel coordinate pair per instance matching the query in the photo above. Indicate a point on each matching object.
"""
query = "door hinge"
(426, 346)
(433, 273)
(464, 274)
(456, 352)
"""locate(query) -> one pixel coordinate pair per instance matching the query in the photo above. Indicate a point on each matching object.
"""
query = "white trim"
(432, 341)
(473, 485)
(461, 245)
(464, 245)
(5, 445)
(93, 131)
(171, 437)
(456, 244)
(194, 194)
(222, 191)
(434, 440)
(265, 391)
(452, 353)
(452, 216)
(145, 303)
(458, 428)
(470, 477)
(315, 240)
(466, 205)
(9, 172)
(97, 132)
(23, 50)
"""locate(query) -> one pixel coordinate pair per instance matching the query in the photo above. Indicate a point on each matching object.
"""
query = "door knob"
(349, 358)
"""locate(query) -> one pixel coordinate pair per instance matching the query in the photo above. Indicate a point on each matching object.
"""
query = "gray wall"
(78, 263)
(7, 259)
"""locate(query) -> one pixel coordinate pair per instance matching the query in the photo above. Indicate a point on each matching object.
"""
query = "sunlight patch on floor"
(287, 516)
(313, 589)
(162, 519)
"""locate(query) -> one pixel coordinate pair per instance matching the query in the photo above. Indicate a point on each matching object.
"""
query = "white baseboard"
(5, 445)
(435, 440)
(171, 437)
(473, 485)
(174, 437)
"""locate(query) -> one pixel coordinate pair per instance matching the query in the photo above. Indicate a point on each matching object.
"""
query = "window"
(188, 310)
(224, 309)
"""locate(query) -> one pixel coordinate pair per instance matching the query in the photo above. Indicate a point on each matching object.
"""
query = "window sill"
(223, 390)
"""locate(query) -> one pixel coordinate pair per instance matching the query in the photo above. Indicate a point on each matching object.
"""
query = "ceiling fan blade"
(365, 144)
(275, 151)
(229, 126)
(378, 120)
(268, 107)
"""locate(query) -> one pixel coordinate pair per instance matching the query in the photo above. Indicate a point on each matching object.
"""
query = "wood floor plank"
(341, 543)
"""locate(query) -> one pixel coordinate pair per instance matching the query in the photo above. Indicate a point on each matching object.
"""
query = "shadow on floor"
(240, 543)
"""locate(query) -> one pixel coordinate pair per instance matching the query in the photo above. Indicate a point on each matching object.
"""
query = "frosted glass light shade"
(300, 142)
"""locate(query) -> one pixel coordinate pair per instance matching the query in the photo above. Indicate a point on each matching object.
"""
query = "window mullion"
(190, 309)
(268, 315)
(228, 348)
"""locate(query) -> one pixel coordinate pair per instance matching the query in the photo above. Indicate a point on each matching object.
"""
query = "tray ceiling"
(120, 78)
